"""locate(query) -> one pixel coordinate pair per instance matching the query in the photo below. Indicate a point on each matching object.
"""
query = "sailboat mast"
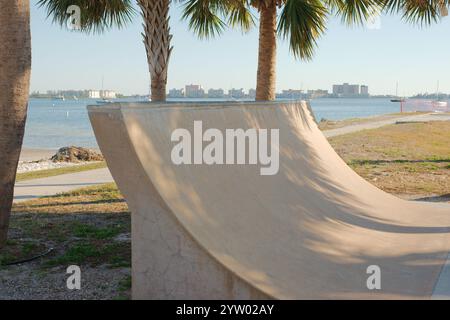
(437, 91)
(102, 92)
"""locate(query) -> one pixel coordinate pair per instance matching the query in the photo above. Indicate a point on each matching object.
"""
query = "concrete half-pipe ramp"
(225, 231)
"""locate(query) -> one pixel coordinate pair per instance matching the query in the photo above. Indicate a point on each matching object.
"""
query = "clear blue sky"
(416, 58)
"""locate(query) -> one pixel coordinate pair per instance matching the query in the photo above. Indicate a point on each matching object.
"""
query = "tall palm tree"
(301, 22)
(15, 69)
(157, 39)
(156, 35)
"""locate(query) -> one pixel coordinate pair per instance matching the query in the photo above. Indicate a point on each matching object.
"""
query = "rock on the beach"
(76, 154)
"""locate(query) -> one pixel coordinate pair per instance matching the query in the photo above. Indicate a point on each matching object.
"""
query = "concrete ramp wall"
(227, 232)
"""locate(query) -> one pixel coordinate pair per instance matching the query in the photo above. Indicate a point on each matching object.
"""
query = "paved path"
(30, 189)
(381, 123)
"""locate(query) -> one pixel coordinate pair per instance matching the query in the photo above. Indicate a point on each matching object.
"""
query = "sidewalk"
(377, 124)
(30, 189)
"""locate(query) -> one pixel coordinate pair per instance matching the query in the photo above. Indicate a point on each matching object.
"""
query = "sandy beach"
(39, 159)
(33, 154)
(29, 154)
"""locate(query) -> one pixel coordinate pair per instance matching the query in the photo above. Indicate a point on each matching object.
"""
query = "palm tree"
(15, 69)
(156, 35)
(301, 22)
(157, 39)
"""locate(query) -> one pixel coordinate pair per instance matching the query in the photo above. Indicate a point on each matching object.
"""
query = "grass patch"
(89, 227)
(93, 200)
(411, 158)
(81, 225)
(58, 171)
(92, 232)
(124, 289)
(91, 253)
(20, 250)
(106, 192)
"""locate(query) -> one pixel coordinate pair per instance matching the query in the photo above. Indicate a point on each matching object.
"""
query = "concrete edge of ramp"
(167, 263)
(161, 259)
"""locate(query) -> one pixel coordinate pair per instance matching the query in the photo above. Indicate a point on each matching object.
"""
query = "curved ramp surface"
(225, 231)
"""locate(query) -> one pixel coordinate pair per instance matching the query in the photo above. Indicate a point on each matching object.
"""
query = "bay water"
(52, 124)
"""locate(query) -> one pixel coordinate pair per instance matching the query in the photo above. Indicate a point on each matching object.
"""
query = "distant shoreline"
(36, 154)
(33, 154)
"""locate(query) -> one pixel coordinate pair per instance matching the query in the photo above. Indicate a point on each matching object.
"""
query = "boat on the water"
(397, 100)
(104, 101)
(440, 103)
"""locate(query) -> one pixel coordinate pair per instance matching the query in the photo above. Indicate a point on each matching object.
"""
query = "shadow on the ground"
(440, 198)
(376, 162)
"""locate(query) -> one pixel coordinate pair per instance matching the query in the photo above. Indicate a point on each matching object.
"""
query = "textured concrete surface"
(30, 189)
(225, 231)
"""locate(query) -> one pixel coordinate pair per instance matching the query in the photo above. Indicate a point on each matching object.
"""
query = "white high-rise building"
(94, 94)
(346, 90)
(176, 93)
(107, 94)
(194, 91)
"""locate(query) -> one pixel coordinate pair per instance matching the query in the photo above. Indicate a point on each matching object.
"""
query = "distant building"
(252, 93)
(216, 93)
(194, 91)
(291, 94)
(236, 93)
(176, 93)
(94, 94)
(107, 94)
(346, 90)
(364, 90)
(71, 94)
(318, 93)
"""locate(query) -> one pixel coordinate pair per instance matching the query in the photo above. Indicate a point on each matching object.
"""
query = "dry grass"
(103, 199)
(55, 172)
(404, 159)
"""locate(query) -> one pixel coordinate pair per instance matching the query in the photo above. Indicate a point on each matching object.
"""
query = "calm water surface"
(52, 124)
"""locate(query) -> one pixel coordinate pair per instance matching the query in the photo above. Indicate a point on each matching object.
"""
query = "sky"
(392, 51)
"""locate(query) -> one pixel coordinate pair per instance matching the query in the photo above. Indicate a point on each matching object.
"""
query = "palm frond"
(96, 15)
(422, 12)
(302, 22)
(205, 16)
(355, 11)
(239, 14)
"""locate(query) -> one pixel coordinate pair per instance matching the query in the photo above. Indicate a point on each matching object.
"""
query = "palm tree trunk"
(15, 68)
(267, 60)
(157, 39)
